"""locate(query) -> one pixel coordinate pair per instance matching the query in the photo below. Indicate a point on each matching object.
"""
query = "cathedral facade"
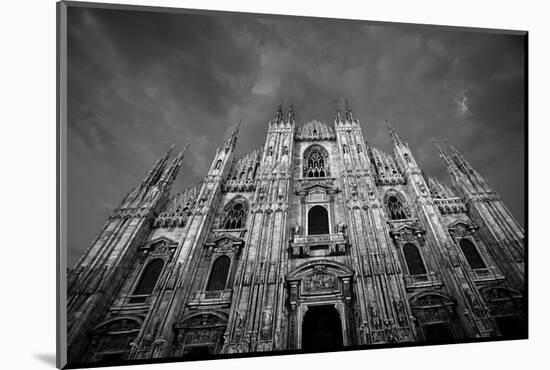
(314, 241)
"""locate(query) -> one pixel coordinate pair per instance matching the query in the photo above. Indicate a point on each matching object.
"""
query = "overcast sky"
(140, 81)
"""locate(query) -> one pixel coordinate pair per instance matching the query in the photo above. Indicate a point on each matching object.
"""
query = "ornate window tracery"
(235, 217)
(414, 261)
(472, 254)
(147, 281)
(219, 274)
(396, 209)
(316, 162)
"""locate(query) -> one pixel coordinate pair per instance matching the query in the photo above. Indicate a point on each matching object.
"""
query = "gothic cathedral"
(313, 242)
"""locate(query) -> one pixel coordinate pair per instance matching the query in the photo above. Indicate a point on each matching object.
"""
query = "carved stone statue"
(295, 229)
(341, 227)
(267, 316)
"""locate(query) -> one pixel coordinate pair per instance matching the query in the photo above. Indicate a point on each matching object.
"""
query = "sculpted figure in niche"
(341, 227)
(295, 229)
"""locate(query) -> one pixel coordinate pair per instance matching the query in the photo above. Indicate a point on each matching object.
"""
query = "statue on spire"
(279, 114)
(337, 116)
(349, 112)
(291, 115)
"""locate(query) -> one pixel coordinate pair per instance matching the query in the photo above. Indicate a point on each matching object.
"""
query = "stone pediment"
(407, 228)
(225, 239)
(316, 186)
(461, 228)
(460, 224)
(164, 239)
(160, 246)
(320, 265)
(407, 232)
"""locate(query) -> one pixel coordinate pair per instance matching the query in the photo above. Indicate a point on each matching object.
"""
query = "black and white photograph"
(243, 184)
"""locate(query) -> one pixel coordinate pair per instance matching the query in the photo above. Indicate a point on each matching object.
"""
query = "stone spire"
(154, 174)
(171, 172)
(393, 134)
(232, 140)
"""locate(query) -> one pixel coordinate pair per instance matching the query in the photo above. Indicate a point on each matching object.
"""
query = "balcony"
(487, 274)
(211, 298)
(318, 245)
(431, 280)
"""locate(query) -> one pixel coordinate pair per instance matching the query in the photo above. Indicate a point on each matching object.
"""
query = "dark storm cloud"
(140, 81)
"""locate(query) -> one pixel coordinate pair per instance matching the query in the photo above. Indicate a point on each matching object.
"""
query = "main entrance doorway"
(438, 333)
(321, 329)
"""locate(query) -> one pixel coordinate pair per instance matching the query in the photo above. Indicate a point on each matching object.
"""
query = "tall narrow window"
(472, 255)
(395, 208)
(316, 162)
(235, 217)
(317, 221)
(218, 164)
(218, 276)
(147, 281)
(414, 260)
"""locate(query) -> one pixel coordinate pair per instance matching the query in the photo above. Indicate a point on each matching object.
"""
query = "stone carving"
(296, 229)
(319, 282)
(341, 227)
(375, 318)
(315, 130)
(364, 332)
(400, 309)
(267, 317)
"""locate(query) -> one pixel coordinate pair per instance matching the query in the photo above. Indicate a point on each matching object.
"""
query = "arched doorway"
(321, 329)
(317, 221)
(438, 333)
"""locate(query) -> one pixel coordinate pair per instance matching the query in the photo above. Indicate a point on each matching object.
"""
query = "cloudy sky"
(141, 81)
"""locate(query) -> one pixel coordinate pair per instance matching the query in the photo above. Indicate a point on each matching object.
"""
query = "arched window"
(218, 276)
(472, 255)
(317, 221)
(235, 217)
(316, 162)
(395, 208)
(414, 260)
(218, 164)
(148, 280)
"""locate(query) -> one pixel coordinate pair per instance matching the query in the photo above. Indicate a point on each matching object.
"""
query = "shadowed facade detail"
(314, 241)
